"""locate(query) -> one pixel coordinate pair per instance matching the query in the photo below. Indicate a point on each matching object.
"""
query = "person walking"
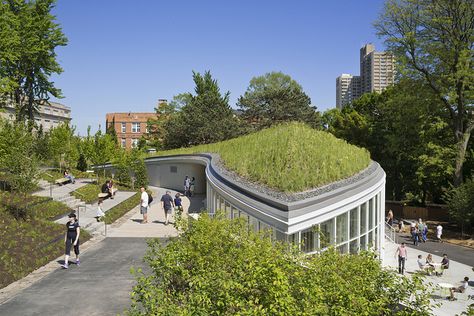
(178, 202)
(144, 205)
(421, 228)
(402, 257)
(167, 204)
(71, 239)
(439, 232)
(414, 234)
(100, 212)
(192, 184)
(187, 184)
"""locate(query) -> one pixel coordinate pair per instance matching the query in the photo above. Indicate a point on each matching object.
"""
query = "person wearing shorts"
(167, 204)
(144, 205)
(71, 239)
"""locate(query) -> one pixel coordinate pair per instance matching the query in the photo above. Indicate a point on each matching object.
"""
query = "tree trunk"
(460, 157)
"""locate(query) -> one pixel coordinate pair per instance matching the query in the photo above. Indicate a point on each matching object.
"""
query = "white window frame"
(134, 142)
(135, 127)
(123, 142)
(124, 127)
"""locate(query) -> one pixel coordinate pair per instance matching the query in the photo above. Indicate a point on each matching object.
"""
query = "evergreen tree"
(82, 163)
(274, 98)
(205, 118)
(111, 131)
(141, 174)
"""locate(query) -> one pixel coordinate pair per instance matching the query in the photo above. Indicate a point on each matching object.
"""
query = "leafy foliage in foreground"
(298, 157)
(218, 267)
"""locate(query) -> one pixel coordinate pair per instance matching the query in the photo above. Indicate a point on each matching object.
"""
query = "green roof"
(290, 157)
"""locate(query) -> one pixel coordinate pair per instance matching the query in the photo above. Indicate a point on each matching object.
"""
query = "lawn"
(289, 157)
(29, 243)
(122, 208)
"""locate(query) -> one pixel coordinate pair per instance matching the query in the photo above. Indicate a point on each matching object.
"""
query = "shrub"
(82, 163)
(123, 175)
(218, 267)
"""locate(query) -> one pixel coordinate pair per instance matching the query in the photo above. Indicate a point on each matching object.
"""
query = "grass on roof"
(290, 157)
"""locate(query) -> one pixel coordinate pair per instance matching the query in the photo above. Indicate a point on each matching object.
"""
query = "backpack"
(150, 199)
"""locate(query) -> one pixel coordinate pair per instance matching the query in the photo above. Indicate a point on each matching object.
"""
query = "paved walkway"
(454, 275)
(458, 253)
(130, 225)
(100, 286)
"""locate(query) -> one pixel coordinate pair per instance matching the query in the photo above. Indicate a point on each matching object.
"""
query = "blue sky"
(125, 55)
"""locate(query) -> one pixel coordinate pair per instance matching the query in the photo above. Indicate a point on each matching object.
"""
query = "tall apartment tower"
(377, 71)
(348, 88)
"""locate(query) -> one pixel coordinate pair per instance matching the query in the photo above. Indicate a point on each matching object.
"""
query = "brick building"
(129, 127)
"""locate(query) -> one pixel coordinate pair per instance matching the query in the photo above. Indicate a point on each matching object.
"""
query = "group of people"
(428, 265)
(167, 204)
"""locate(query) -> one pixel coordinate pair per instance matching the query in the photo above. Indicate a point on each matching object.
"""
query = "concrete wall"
(161, 175)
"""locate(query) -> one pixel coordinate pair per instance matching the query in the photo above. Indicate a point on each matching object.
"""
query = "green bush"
(82, 163)
(122, 208)
(218, 267)
(88, 193)
(123, 175)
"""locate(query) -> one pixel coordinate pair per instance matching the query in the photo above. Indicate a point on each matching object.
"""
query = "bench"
(63, 181)
(103, 195)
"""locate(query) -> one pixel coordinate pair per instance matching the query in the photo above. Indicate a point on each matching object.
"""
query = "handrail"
(390, 233)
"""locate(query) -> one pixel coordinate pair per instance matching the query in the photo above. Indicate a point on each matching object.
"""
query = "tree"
(27, 54)
(141, 174)
(104, 148)
(157, 132)
(205, 118)
(276, 97)
(18, 160)
(63, 145)
(461, 205)
(433, 41)
(218, 267)
(406, 131)
(111, 131)
(81, 163)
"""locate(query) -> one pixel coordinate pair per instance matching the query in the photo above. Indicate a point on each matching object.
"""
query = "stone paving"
(454, 275)
(131, 226)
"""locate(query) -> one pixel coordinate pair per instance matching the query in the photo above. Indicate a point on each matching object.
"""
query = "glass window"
(227, 210)
(326, 234)
(135, 127)
(377, 210)
(308, 240)
(235, 212)
(280, 236)
(354, 222)
(370, 242)
(371, 213)
(342, 248)
(134, 142)
(124, 127)
(253, 223)
(363, 218)
(363, 242)
(244, 216)
(354, 246)
(123, 142)
(341, 228)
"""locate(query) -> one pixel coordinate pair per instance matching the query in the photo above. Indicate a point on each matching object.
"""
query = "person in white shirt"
(459, 289)
(424, 266)
(144, 205)
(439, 232)
(100, 212)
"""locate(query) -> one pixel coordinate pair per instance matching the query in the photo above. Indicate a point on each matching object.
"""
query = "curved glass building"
(347, 214)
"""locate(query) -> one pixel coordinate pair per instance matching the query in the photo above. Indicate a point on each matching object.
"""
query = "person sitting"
(423, 266)
(105, 189)
(429, 260)
(69, 176)
(112, 189)
(460, 289)
(444, 263)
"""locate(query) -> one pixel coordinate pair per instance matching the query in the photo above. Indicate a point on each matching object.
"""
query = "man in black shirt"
(167, 204)
(105, 188)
